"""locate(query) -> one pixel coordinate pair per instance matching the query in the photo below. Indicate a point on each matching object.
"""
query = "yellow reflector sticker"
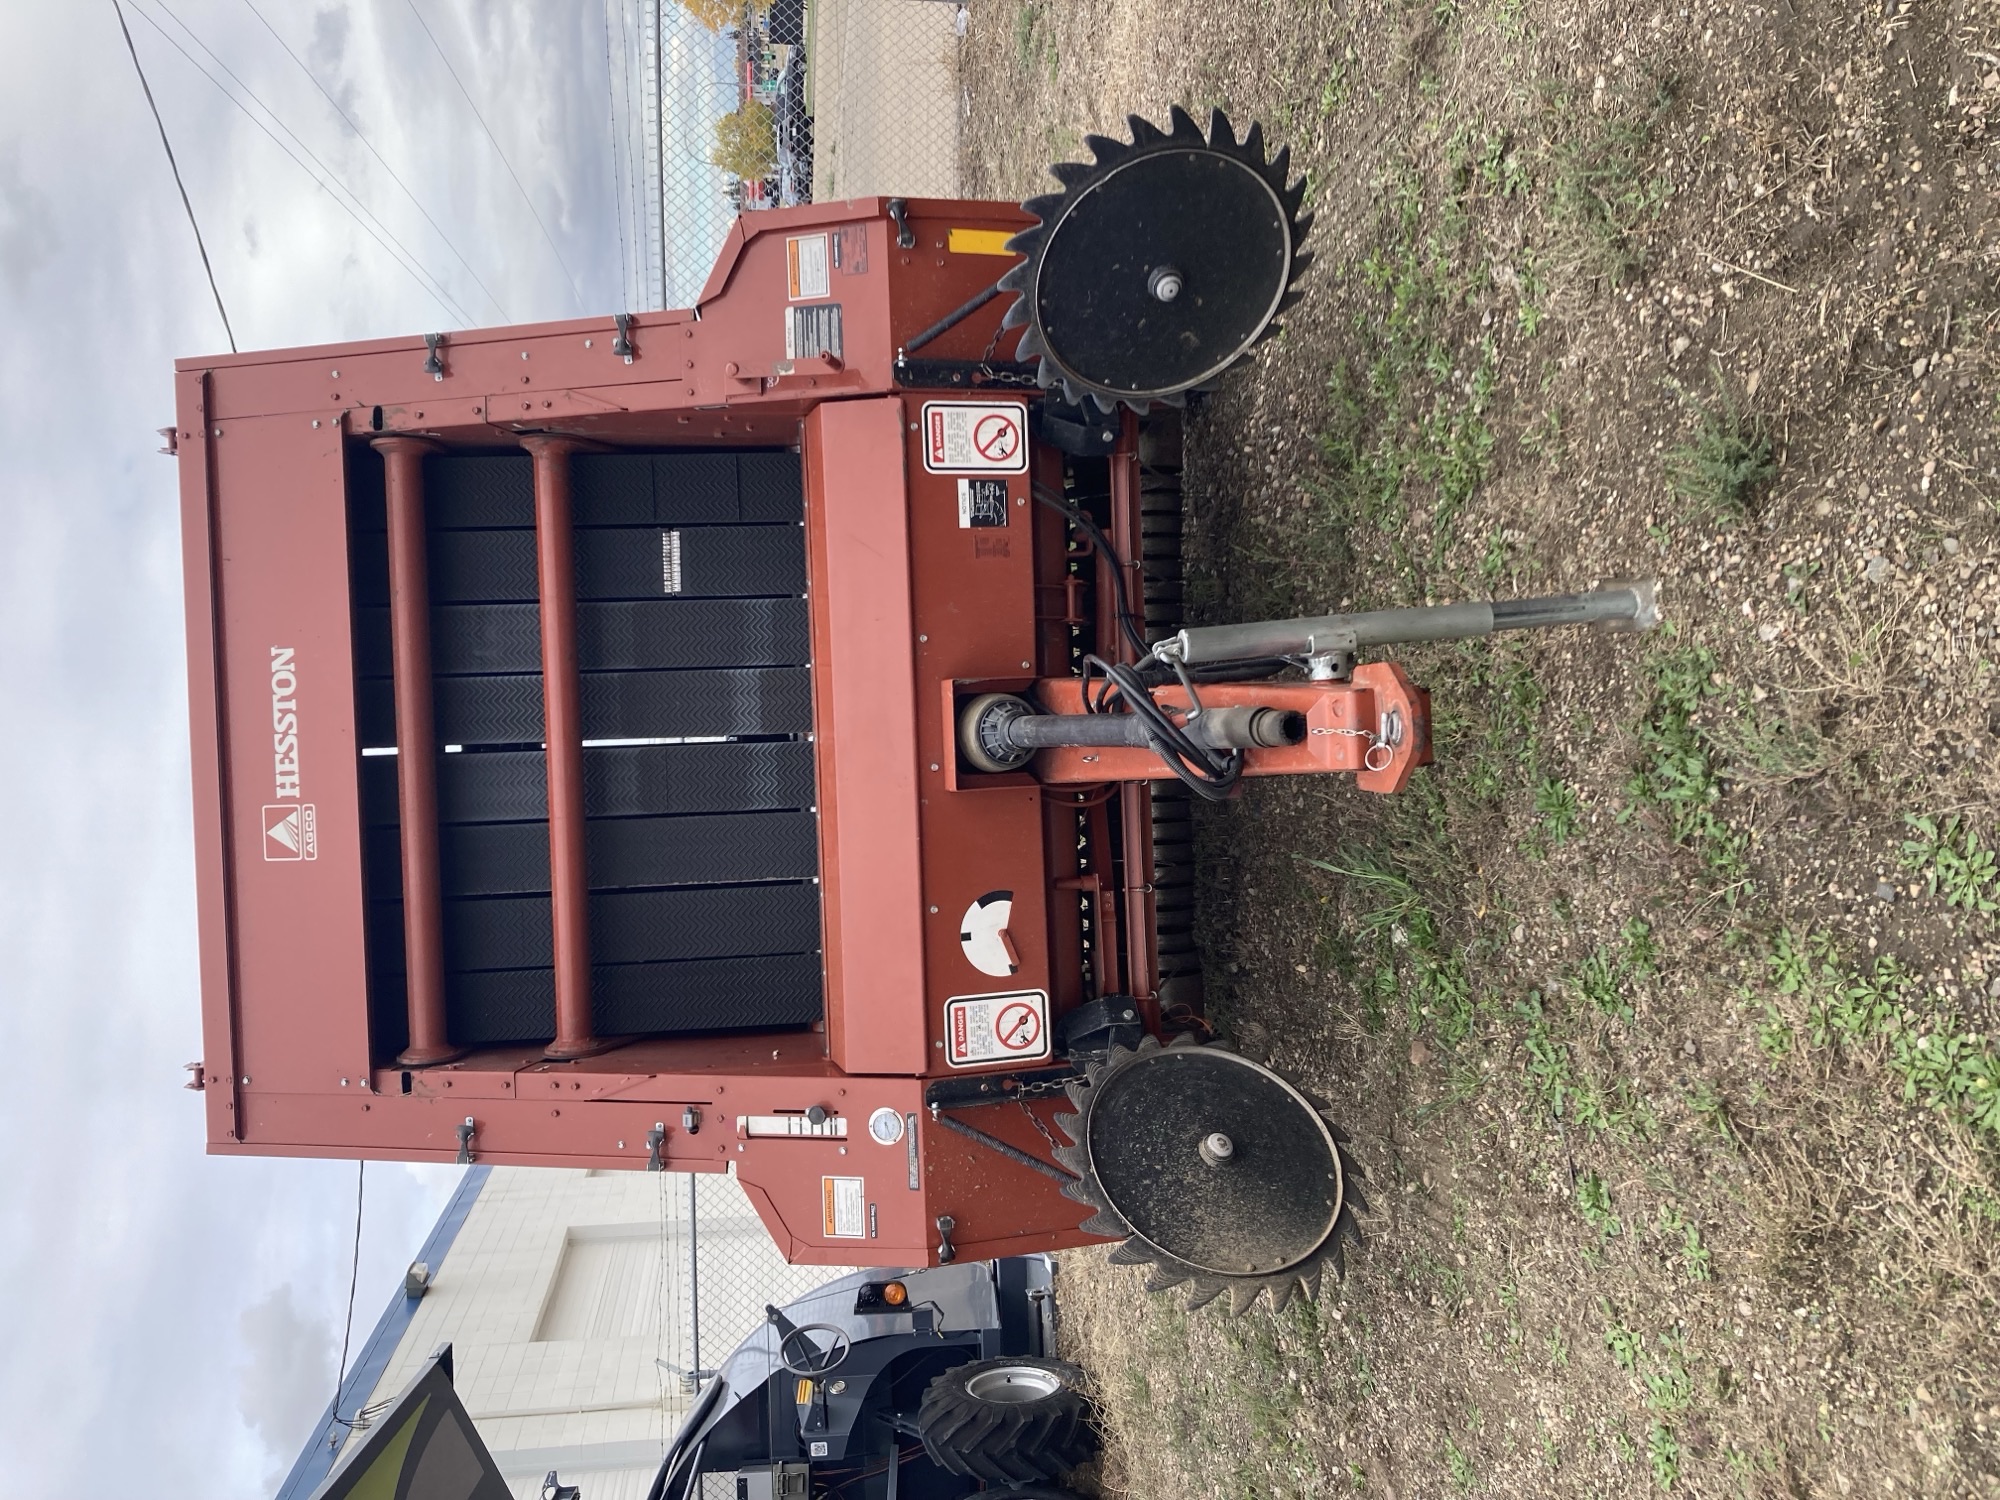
(805, 1393)
(980, 241)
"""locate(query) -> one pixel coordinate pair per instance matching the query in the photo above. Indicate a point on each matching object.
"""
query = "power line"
(574, 291)
(407, 257)
(176, 166)
(617, 192)
(407, 192)
(437, 292)
(353, 1280)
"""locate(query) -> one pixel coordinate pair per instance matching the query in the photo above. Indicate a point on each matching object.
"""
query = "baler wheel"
(1213, 1169)
(1159, 265)
(1008, 1421)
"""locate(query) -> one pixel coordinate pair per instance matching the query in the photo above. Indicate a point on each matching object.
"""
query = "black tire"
(1008, 1421)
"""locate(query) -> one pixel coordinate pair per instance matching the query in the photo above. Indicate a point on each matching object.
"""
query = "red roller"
(416, 750)
(562, 731)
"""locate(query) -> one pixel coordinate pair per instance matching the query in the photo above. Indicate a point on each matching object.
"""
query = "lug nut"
(1217, 1148)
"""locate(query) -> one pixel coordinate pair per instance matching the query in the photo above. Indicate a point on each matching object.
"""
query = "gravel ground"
(1675, 1185)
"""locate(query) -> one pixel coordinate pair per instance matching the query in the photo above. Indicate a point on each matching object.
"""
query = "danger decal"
(975, 437)
(1010, 1027)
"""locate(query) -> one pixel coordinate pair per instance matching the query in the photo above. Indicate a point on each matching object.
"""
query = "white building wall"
(601, 1258)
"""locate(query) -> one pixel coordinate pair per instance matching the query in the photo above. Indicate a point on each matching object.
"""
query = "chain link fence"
(745, 105)
(718, 1270)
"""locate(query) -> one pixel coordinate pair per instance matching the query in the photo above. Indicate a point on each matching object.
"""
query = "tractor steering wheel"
(817, 1362)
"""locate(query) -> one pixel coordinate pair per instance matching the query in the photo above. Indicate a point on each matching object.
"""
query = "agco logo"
(291, 827)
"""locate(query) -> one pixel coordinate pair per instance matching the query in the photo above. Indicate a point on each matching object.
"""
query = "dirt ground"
(1658, 1010)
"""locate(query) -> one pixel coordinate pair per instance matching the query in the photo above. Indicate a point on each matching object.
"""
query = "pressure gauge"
(886, 1126)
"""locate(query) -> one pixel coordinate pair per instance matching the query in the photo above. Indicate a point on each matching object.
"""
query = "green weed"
(1677, 774)
(1593, 1201)
(1953, 863)
(1663, 1455)
(1600, 196)
(1726, 461)
(1458, 1464)
(1556, 803)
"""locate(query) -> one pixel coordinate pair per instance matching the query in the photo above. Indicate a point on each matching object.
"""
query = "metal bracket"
(946, 1251)
(622, 344)
(465, 1133)
(434, 360)
(899, 210)
(963, 374)
(655, 1138)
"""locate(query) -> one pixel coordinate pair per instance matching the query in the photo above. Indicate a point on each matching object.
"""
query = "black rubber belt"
(507, 710)
(611, 636)
(612, 562)
(733, 994)
(626, 927)
(505, 859)
(619, 781)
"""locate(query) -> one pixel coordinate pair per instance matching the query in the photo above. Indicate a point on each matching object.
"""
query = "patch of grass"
(1726, 462)
(1953, 863)
(1663, 1455)
(1695, 1257)
(1600, 195)
(1457, 1464)
(1593, 1201)
(1677, 775)
(1881, 1014)
(1624, 1345)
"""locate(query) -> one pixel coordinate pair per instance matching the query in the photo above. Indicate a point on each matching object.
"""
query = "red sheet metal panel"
(288, 797)
(864, 700)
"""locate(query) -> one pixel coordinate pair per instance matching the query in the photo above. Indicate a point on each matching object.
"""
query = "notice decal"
(844, 1207)
(975, 437)
(1010, 1027)
(982, 502)
(806, 261)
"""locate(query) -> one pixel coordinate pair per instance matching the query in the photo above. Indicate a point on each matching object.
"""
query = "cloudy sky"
(172, 1320)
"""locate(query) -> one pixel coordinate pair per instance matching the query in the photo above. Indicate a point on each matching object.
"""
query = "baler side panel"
(865, 710)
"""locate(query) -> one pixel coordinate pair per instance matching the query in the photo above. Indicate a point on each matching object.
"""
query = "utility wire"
(617, 187)
(574, 292)
(168, 145)
(407, 192)
(353, 1280)
(442, 297)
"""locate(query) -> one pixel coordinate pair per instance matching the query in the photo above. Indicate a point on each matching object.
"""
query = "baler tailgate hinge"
(465, 1134)
(622, 344)
(434, 359)
(655, 1138)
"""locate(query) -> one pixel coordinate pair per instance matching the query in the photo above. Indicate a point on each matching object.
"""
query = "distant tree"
(716, 14)
(746, 141)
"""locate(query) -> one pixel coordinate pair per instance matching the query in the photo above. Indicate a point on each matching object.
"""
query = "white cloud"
(127, 1256)
(290, 1364)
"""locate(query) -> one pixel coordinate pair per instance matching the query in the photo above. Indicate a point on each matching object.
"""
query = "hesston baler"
(758, 737)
